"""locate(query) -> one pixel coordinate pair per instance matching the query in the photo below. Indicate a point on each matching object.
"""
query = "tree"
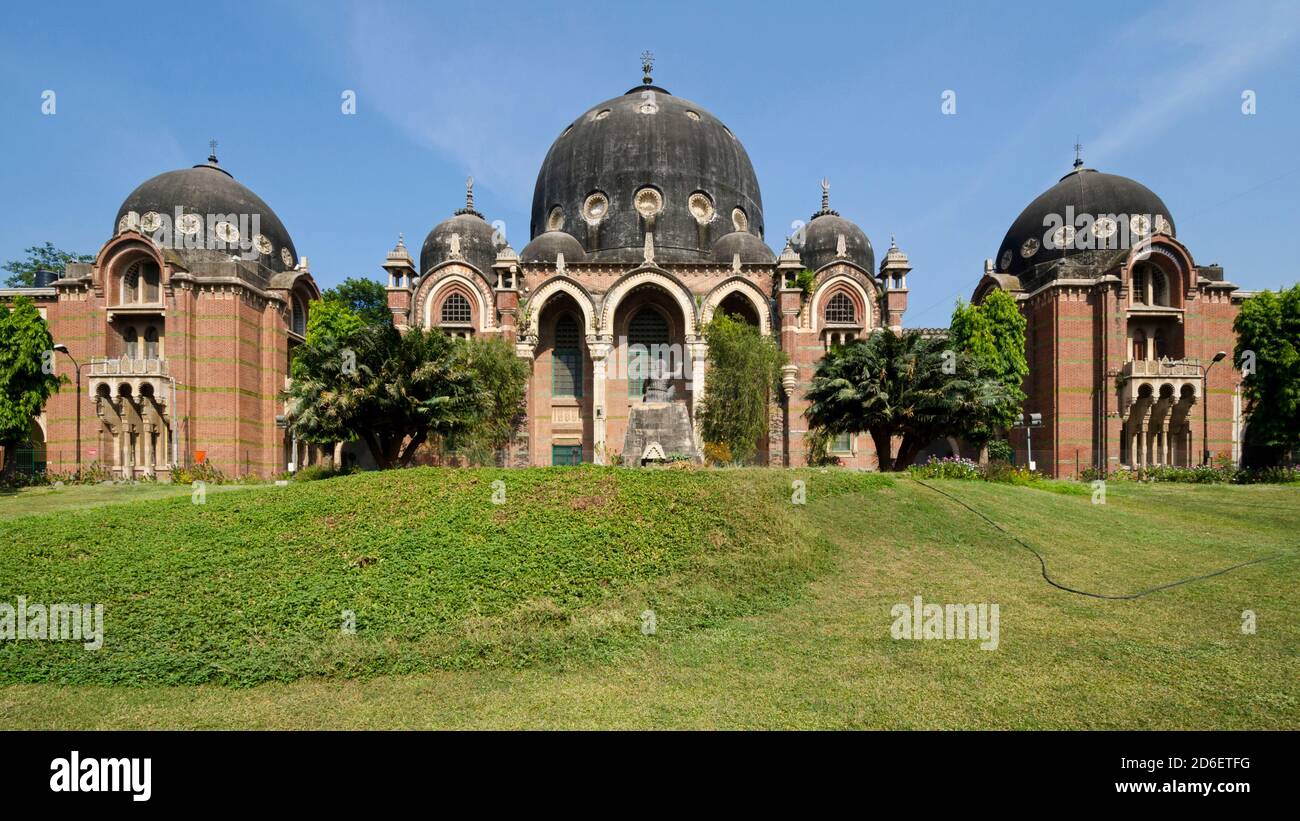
(902, 386)
(22, 273)
(743, 369)
(27, 376)
(1268, 353)
(392, 390)
(326, 320)
(501, 378)
(367, 298)
(993, 332)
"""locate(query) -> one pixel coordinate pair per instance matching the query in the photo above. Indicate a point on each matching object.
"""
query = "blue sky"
(851, 91)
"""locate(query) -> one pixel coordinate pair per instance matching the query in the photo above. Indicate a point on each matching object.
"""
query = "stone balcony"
(139, 375)
(1173, 379)
(1158, 368)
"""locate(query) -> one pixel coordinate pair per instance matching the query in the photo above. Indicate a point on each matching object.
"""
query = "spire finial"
(401, 239)
(647, 66)
(469, 193)
(892, 244)
(826, 194)
(1078, 153)
(212, 151)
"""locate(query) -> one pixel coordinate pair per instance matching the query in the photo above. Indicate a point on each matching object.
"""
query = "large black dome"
(1088, 192)
(210, 193)
(647, 161)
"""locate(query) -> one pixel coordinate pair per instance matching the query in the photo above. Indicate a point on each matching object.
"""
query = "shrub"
(1000, 450)
(952, 467)
(717, 453)
(201, 472)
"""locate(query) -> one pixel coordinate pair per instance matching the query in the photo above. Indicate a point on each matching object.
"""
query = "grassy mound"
(257, 585)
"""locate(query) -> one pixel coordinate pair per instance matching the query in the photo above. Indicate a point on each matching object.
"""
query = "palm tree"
(904, 386)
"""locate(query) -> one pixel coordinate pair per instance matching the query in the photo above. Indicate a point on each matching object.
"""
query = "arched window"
(298, 316)
(566, 359)
(149, 276)
(647, 340)
(455, 310)
(840, 310)
(1159, 287)
(140, 283)
(736, 306)
(1158, 343)
(132, 343)
(1140, 285)
(1139, 345)
(151, 342)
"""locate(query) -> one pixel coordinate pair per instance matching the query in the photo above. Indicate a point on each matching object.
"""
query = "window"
(566, 454)
(1140, 285)
(151, 342)
(842, 443)
(140, 283)
(566, 359)
(1158, 343)
(1159, 287)
(132, 343)
(298, 317)
(1139, 344)
(455, 310)
(840, 310)
(647, 338)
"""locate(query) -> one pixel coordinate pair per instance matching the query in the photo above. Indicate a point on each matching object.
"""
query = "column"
(699, 350)
(148, 448)
(598, 348)
(1164, 445)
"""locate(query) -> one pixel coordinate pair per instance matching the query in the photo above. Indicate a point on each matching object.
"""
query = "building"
(1123, 325)
(647, 219)
(183, 328)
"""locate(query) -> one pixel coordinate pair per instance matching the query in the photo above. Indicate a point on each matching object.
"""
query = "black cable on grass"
(1043, 563)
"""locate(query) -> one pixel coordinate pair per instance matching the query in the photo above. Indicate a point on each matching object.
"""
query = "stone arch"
(843, 283)
(480, 303)
(561, 285)
(670, 284)
(118, 255)
(1173, 260)
(747, 289)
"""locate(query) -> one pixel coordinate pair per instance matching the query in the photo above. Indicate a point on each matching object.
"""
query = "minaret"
(893, 277)
(401, 281)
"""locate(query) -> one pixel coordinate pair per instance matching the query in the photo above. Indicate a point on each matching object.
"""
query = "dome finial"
(469, 193)
(826, 195)
(647, 66)
(1078, 153)
(212, 151)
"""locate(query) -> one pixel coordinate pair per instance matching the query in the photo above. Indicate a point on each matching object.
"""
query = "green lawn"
(30, 501)
(768, 614)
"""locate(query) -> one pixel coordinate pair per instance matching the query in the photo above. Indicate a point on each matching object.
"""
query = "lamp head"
(61, 348)
(1218, 357)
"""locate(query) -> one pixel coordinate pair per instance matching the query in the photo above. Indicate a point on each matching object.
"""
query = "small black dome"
(546, 246)
(211, 194)
(750, 248)
(471, 235)
(1089, 192)
(647, 152)
(822, 241)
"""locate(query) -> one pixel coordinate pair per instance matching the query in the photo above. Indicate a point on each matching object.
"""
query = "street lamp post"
(63, 349)
(1205, 407)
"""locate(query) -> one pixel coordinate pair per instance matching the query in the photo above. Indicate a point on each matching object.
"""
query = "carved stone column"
(599, 348)
(698, 350)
